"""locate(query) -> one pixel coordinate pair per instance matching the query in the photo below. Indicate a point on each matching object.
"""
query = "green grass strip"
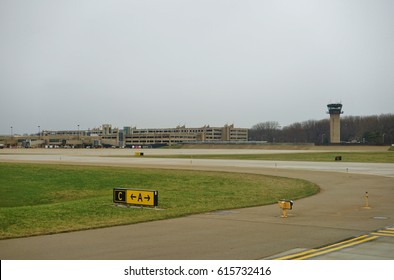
(43, 199)
(376, 157)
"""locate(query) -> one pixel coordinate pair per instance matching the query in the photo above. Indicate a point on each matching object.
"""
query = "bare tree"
(265, 131)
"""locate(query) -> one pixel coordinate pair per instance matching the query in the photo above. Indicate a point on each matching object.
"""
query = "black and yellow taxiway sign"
(136, 197)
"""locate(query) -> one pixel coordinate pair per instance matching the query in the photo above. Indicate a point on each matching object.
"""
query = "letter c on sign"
(120, 196)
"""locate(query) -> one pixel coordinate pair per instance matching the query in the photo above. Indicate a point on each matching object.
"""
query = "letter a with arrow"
(140, 197)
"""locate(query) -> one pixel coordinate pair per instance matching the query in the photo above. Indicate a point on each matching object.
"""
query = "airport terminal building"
(129, 137)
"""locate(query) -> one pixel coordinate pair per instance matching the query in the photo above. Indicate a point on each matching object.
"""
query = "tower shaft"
(335, 111)
(335, 129)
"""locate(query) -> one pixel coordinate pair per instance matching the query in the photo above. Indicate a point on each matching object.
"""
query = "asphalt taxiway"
(335, 215)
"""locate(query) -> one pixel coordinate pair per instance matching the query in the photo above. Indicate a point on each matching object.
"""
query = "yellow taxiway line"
(328, 249)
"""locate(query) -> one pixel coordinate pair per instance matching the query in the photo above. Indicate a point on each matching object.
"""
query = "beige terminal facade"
(107, 136)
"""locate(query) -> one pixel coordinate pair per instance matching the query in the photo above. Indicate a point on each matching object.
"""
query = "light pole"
(39, 136)
(12, 137)
(78, 137)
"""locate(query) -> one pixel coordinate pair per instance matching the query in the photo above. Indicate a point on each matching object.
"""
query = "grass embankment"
(41, 199)
(377, 157)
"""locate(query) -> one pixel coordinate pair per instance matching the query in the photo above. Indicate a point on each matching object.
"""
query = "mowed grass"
(43, 199)
(377, 157)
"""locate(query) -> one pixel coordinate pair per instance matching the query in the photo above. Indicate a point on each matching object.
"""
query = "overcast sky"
(163, 63)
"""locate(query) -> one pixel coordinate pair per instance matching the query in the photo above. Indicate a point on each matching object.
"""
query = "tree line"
(373, 130)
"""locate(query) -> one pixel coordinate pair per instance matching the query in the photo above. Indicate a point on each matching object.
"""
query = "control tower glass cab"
(335, 110)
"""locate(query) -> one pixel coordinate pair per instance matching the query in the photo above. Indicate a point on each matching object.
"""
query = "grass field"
(42, 199)
(381, 157)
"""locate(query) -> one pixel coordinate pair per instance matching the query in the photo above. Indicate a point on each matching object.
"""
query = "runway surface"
(334, 215)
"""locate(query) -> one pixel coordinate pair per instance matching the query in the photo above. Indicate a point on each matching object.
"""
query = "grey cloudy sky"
(162, 63)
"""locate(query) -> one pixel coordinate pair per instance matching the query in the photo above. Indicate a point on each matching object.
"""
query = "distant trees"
(311, 131)
(265, 131)
(376, 130)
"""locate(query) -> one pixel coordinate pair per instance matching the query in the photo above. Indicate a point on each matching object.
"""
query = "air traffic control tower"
(335, 110)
